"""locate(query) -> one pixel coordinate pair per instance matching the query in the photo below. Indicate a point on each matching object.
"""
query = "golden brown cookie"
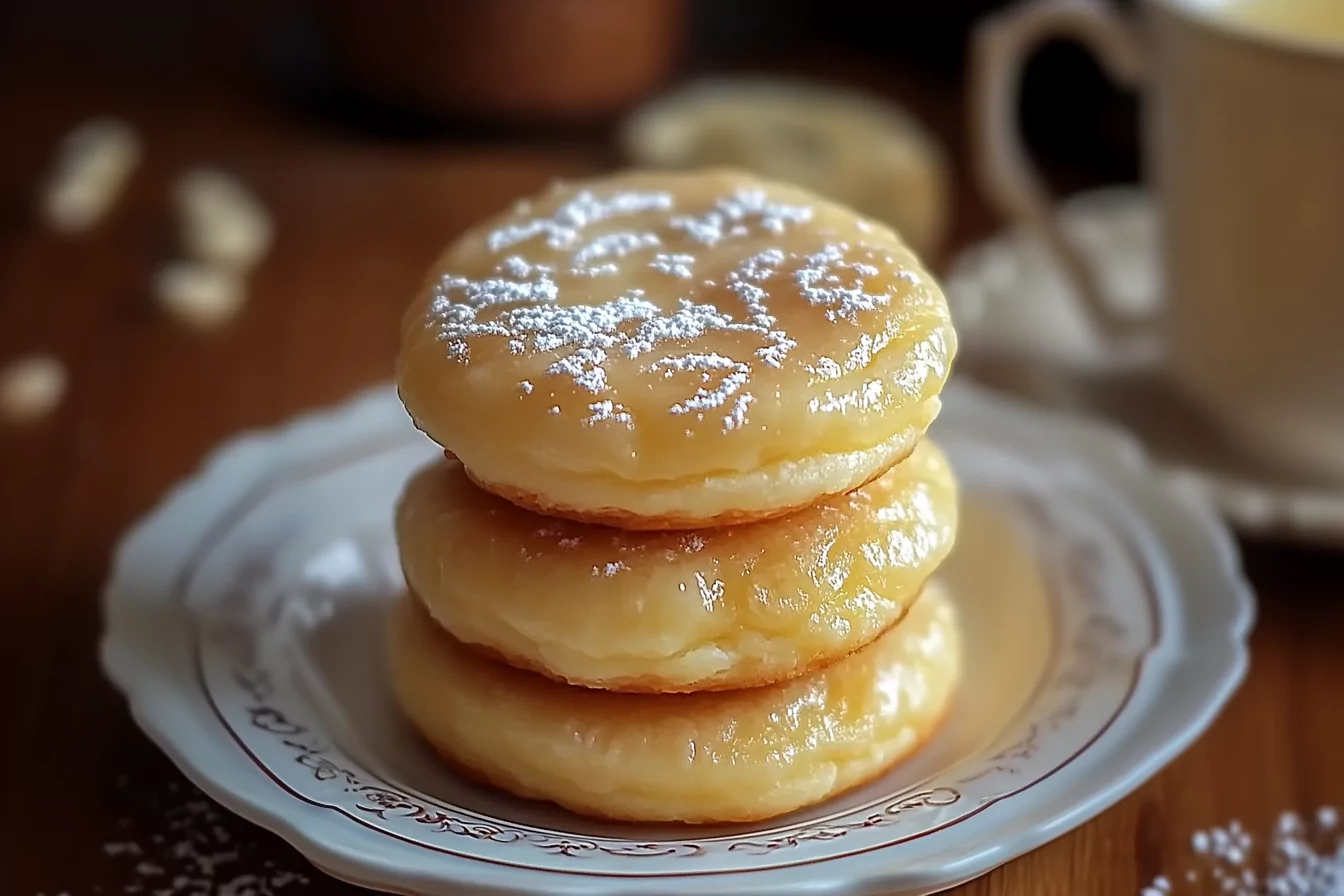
(729, 607)
(664, 351)
(708, 757)
(861, 150)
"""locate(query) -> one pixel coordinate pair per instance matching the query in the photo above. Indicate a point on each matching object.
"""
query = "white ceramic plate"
(1105, 623)
(1023, 331)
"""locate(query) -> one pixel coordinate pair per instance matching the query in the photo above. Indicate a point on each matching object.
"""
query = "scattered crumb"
(93, 163)
(200, 297)
(31, 387)
(223, 223)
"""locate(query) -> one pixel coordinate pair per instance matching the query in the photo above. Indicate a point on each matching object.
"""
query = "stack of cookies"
(675, 565)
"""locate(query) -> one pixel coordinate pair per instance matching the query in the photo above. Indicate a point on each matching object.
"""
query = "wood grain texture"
(357, 220)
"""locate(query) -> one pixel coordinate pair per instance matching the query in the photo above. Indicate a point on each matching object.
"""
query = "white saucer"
(1023, 333)
(1105, 623)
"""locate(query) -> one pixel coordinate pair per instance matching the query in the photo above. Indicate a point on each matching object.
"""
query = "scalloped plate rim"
(342, 851)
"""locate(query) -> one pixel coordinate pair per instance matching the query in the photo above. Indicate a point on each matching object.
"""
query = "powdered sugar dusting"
(607, 411)
(823, 282)
(521, 302)
(735, 215)
(562, 230)
(674, 265)
(1301, 858)
(720, 379)
(611, 245)
(745, 283)
(517, 266)
(869, 395)
(736, 418)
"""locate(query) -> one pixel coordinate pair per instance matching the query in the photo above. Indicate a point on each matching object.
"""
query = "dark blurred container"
(1071, 112)
(929, 34)
(529, 61)
(731, 35)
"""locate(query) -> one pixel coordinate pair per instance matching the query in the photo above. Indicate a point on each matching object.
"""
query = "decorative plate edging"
(341, 852)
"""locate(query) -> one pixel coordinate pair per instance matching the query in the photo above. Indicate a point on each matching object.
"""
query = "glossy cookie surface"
(662, 351)
(728, 607)
(706, 757)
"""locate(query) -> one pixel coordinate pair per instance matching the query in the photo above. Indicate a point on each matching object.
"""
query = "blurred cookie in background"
(854, 148)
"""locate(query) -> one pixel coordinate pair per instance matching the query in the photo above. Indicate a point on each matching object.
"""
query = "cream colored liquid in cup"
(1314, 20)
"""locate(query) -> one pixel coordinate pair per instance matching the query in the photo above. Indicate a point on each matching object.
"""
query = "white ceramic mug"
(1244, 132)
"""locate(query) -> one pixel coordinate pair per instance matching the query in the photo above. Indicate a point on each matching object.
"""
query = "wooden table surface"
(358, 219)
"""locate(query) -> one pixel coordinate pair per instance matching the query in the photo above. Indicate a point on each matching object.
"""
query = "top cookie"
(659, 351)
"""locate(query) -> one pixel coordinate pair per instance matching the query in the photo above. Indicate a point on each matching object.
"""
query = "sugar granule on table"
(176, 843)
(1300, 858)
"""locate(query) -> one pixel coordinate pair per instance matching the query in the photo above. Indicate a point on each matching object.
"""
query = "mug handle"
(1001, 45)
